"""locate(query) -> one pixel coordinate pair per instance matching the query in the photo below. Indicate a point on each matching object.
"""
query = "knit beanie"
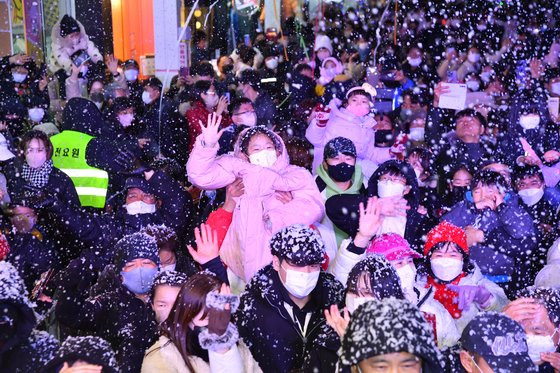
(299, 244)
(446, 232)
(68, 25)
(134, 246)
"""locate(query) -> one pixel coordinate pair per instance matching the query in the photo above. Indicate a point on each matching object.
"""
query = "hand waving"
(370, 221)
(211, 133)
(339, 322)
(207, 247)
(112, 64)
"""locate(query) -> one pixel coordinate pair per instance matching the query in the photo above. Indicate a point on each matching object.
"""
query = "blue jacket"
(509, 233)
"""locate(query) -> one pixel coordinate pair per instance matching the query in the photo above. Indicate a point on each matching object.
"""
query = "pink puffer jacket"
(258, 213)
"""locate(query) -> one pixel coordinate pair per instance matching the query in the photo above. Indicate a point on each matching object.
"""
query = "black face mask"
(383, 138)
(227, 69)
(341, 172)
(457, 194)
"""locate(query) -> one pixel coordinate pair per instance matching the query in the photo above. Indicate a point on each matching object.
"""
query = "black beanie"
(134, 246)
(93, 350)
(68, 25)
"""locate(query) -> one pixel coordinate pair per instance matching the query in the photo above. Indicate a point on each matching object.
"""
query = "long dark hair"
(380, 278)
(190, 301)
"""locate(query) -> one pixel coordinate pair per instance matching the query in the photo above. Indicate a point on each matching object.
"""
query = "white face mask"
(407, 274)
(140, 207)
(531, 196)
(146, 97)
(169, 267)
(264, 158)
(446, 269)
(211, 100)
(272, 63)
(473, 85)
(388, 188)
(414, 62)
(474, 57)
(538, 344)
(353, 302)
(529, 122)
(131, 75)
(417, 134)
(36, 114)
(19, 77)
(555, 88)
(300, 284)
(126, 119)
(248, 119)
(36, 160)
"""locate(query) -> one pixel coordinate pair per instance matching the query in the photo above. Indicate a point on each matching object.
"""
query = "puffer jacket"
(358, 129)
(62, 49)
(258, 213)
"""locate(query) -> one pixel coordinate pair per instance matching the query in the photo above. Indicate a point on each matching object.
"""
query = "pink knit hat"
(392, 246)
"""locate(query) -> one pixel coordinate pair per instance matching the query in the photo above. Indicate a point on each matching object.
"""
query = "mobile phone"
(183, 72)
(247, 40)
(228, 96)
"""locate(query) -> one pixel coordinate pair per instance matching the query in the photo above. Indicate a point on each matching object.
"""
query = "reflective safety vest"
(70, 157)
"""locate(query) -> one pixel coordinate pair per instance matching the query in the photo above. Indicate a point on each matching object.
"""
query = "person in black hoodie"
(394, 182)
(531, 134)
(281, 317)
(22, 347)
(122, 315)
(83, 127)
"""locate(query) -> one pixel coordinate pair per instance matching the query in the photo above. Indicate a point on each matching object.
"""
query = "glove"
(322, 113)
(220, 307)
(125, 159)
(469, 294)
(399, 147)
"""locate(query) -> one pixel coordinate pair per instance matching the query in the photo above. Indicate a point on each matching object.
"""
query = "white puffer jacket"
(497, 303)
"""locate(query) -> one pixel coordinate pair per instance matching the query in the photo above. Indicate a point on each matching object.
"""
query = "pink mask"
(358, 110)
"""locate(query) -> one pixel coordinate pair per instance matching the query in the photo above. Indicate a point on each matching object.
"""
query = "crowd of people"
(308, 202)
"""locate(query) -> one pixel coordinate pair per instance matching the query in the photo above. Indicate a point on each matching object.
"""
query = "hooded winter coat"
(117, 316)
(272, 335)
(62, 49)
(509, 234)
(541, 139)
(343, 209)
(27, 349)
(81, 115)
(258, 213)
(358, 129)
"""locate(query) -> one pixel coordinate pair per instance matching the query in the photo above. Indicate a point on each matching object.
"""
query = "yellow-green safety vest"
(70, 157)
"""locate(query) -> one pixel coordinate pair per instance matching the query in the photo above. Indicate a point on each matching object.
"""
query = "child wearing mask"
(276, 194)
(351, 120)
(454, 279)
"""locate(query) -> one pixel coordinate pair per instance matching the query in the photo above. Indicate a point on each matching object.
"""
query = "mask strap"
(475, 364)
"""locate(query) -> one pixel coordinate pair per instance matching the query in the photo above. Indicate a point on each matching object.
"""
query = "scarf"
(37, 177)
(446, 296)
